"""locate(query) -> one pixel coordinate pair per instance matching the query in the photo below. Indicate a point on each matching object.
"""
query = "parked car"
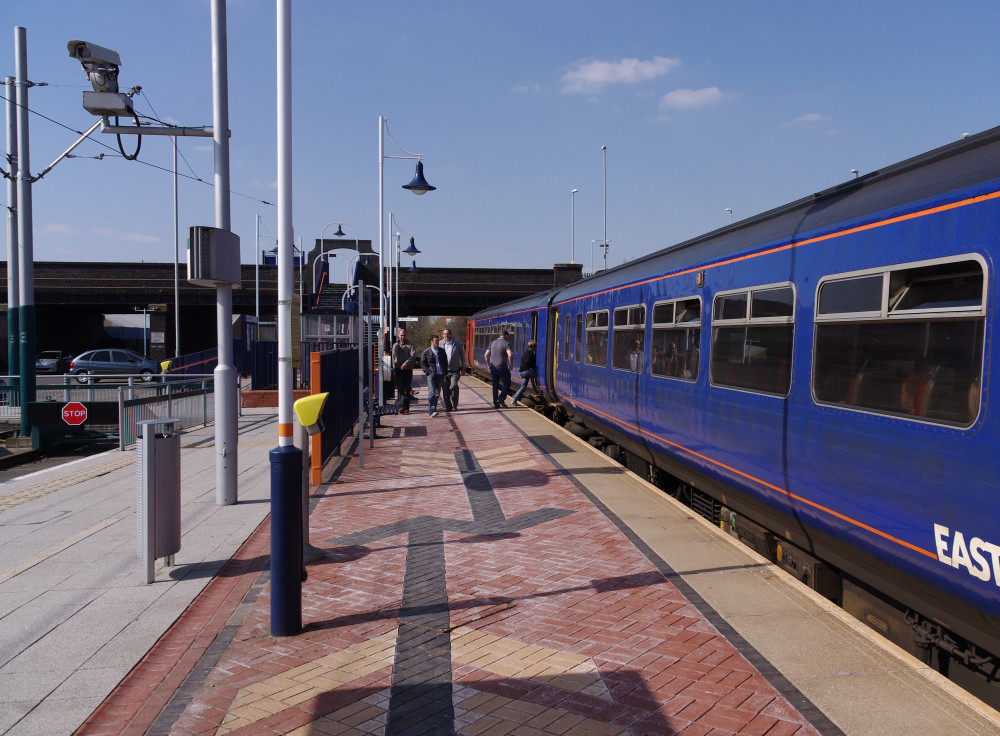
(52, 361)
(88, 366)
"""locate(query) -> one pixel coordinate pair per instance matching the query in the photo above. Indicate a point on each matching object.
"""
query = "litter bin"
(158, 493)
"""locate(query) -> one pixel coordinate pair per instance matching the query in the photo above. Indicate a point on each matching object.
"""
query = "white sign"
(157, 338)
(409, 319)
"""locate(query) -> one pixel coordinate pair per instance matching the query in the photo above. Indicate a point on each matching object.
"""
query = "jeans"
(404, 382)
(530, 374)
(435, 382)
(500, 375)
(450, 391)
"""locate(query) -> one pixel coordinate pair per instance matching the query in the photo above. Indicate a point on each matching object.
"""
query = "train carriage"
(816, 379)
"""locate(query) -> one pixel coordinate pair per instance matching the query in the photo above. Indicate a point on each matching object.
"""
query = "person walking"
(434, 361)
(499, 358)
(404, 360)
(528, 372)
(456, 365)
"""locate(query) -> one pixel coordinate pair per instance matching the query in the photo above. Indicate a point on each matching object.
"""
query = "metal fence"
(191, 403)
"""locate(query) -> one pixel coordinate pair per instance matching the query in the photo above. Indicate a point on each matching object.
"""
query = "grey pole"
(256, 273)
(381, 232)
(13, 291)
(26, 266)
(226, 389)
(177, 288)
(604, 155)
(572, 226)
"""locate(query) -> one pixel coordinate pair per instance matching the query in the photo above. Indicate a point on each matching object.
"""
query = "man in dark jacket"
(404, 360)
(434, 361)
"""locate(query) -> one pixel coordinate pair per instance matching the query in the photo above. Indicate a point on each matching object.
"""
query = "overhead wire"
(144, 163)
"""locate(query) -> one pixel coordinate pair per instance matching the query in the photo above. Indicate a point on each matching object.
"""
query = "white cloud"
(58, 228)
(691, 99)
(812, 117)
(525, 88)
(112, 234)
(591, 76)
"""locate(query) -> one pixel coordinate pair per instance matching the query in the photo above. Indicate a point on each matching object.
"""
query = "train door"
(553, 360)
(534, 326)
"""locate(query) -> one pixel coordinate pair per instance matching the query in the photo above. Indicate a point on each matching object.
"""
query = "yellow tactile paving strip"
(417, 462)
(16, 498)
(510, 658)
(306, 681)
(502, 459)
(497, 655)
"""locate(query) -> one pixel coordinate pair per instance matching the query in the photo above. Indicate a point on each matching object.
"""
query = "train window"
(566, 338)
(862, 294)
(579, 338)
(629, 338)
(597, 338)
(676, 339)
(917, 352)
(752, 339)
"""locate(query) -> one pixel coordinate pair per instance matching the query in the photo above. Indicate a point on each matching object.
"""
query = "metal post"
(381, 232)
(226, 459)
(286, 459)
(361, 375)
(177, 287)
(26, 262)
(13, 283)
(256, 274)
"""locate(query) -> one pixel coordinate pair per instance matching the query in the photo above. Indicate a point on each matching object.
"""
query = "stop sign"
(74, 413)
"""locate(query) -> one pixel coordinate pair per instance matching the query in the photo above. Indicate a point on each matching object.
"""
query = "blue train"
(815, 380)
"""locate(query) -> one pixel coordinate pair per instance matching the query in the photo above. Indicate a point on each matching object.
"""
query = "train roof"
(515, 306)
(970, 161)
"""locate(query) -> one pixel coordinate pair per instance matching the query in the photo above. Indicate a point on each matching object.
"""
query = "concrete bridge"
(71, 298)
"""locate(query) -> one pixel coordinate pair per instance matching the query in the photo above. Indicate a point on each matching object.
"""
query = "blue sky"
(702, 106)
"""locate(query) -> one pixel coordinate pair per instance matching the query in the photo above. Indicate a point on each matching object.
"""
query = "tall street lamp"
(604, 154)
(572, 226)
(418, 185)
(730, 211)
(410, 251)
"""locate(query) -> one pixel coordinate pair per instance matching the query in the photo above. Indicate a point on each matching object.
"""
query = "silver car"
(88, 366)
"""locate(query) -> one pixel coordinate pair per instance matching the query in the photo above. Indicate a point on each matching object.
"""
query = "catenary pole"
(226, 388)
(13, 283)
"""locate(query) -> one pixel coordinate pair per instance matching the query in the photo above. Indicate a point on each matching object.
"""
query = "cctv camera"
(101, 64)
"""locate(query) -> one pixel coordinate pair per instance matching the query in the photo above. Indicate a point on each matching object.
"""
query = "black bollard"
(286, 541)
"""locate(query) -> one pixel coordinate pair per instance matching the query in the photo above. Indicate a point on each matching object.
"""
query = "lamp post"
(418, 185)
(730, 211)
(604, 154)
(572, 226)
(340, 233)
(410, 251)
(592, 255)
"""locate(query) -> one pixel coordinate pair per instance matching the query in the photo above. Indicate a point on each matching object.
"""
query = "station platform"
(487, 573)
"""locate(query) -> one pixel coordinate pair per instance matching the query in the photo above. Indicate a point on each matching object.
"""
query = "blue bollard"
(286, 541)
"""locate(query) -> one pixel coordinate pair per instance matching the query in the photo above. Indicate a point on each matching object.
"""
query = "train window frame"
(578, 353)
(630, 322)
(679, 321)
(567, 326)
(596, 324)
(912, 382)
(745, 378)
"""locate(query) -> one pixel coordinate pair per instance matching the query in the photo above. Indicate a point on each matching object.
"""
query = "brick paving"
(467, 587)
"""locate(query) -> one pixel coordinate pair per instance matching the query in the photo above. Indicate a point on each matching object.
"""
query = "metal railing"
(189, 402)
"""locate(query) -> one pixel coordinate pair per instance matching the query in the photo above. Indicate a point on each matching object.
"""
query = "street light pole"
(572, 226)
(177, 246)
(418, 185)
(604, 154)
